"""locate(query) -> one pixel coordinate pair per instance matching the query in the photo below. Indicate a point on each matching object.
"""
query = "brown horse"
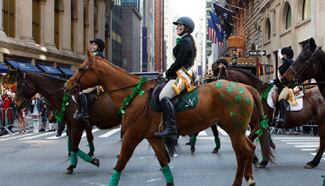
(102, 111)
(224, 101)
(313, 108)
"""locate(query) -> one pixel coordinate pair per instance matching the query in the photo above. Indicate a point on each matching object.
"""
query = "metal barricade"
(4, 120)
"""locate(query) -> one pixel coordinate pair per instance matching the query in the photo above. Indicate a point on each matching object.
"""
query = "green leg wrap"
(115, 178)
(91, 146)
(73, 159)
(193, 140)
(217, 141)
(255, 155)
(69, 147)
(168, 174)
(263, 158)
(84, 156)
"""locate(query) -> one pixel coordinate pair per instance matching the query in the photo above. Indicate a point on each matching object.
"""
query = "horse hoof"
(215, 151)
(169, 184)
(117, 155)
(262, 164)
(255, 162)
(111, 172)
(95, 162)
(251, 182)
(91, 153)
(68, 171)
(308, 166)
(273, 146)
(192, 150)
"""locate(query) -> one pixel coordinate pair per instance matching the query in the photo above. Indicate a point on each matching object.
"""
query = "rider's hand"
(271, 82)
(279, 54)
(164, 75)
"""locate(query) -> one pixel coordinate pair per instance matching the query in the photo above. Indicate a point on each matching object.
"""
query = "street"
(40, 159)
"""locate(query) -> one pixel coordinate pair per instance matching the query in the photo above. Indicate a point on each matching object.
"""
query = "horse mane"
(249, 75)
(117, 67)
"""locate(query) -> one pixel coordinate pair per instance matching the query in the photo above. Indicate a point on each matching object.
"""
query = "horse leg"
(90, 139)
(216, 139)
(163, 158)
(129, 143)
(252, 136)
(317, 158)
(244, 156)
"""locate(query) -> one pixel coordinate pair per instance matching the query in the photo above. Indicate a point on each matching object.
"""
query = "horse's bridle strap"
(130, 86)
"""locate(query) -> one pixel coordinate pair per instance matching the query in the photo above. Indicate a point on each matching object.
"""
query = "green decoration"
(178, 40)
(230, 89)
(73, 159)
(167, 174)
(255, 155)
(244, 131)
(60, 115)
(263, 125)
(222, 95)
(233, 115)
(129, 98)
(323, 176)
(241, 110)
(84, 156)
(229, 104)
(217, 142)
(91, 146)
(218, 84)
(221, 80)
(233, 83)
(193, 140)
(241, 90)
(263, 157)
(238, 99)
(254, 105)
(248, 101)
(266, 92)
(115, 178)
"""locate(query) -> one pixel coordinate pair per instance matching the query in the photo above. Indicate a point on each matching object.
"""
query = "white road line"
(308, 149)
(222, 131)
(291, 138)
(109, 133)
(15, 137)
(306, 146)
(36, 136)
(54, 137)
(203, 133)
(314, 154)
(93, 131)
(302, 143)
(288, 140)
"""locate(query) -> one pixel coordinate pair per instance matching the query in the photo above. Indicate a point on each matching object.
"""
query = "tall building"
(168, 31)
(116, 41)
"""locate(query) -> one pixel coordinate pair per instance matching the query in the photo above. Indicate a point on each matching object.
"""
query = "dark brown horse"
(313, 108)
(224, 101)
(102, 111)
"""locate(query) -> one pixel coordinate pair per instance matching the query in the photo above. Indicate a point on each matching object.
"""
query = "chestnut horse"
(102, 111)
(224, 101)
(313, 108)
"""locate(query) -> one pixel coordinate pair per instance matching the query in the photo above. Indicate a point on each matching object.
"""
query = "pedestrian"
(6, 112)
(179, 74)
(36, 108)
(21, 115)
(44, 114)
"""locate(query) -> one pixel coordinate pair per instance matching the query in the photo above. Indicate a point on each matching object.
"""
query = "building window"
(57, 24)
(36, 21)
(268, 29)
(306, 10)
(288, 17)
(8, 13)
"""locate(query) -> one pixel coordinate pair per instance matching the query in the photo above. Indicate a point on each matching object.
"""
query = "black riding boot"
(169, 113)
(83, 107)
(283, 104)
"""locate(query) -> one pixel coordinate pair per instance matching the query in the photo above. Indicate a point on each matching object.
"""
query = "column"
(91, 22)
(101, 19)
(2, 33)
(47, 23)
(79, 29)
(65, 27)
(24, 19)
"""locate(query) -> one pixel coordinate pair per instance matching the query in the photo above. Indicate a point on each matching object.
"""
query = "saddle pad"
(297, 107)
(191, 97)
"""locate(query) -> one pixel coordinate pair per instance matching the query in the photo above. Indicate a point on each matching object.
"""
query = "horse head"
(308, 65)
(25, 90)
(85, 76)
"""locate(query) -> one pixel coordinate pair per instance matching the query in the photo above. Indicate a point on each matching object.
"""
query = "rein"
(130, 86)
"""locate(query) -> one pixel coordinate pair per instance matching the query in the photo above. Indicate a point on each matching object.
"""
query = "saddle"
(273, 95)
(184, 101)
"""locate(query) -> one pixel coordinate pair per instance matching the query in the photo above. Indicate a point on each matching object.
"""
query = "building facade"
(51, 32)
(159, 36)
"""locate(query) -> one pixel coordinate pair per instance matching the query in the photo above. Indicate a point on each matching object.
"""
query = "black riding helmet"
(223, 61)
(100, 43)
(288, 51)
(188, 22)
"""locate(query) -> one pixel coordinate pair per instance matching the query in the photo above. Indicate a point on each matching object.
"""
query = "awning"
(4, 68)
(23, 66)
(66, 71)
(50, 70)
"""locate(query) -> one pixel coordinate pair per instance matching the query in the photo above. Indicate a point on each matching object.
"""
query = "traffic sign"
(257, 53)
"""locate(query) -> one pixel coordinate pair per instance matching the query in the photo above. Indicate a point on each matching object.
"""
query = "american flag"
(212, 35)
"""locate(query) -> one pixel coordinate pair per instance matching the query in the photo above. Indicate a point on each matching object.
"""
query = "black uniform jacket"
(286, 64)
(184, 53)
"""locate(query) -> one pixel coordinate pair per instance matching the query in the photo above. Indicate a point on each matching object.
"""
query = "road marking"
(36, 136)
(15, 137)
(314, 154)
(288, 140)
(308, 149)
(92, 131)
(222, 131)
(203, 133)
(302, 143)
(296, 138)
(54, 137)
(152, 180)
(109, 133)
(306, 146)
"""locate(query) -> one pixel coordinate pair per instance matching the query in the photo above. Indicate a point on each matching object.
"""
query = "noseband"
(297, 74)
(24, 83)
(76, 83)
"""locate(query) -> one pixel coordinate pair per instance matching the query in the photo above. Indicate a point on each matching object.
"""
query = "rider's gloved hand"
(279, 54)
(271, 82)
(164, 75)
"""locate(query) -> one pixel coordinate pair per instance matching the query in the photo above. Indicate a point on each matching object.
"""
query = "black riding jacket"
(285, 65)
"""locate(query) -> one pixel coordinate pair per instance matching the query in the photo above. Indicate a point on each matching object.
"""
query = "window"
(268, 29)
(288, 17)
(57, 24)
(8, 13)
(36, 21)
(306, 10)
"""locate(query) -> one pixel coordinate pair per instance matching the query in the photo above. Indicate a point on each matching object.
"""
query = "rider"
(97, 47)
(286, 54)
(179, 74)
(222, 64)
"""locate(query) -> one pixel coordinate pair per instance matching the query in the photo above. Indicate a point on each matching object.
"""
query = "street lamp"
(234, 57)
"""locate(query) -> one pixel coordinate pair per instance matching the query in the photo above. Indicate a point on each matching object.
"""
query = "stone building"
(52, 32)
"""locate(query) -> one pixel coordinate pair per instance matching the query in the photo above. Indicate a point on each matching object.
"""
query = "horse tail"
(264, 134)
(171, 145)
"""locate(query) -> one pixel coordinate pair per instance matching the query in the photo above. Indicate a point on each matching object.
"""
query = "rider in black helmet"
(97, 47)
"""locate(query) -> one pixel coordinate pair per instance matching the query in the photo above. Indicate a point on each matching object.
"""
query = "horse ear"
(312, 44)
(90, 55)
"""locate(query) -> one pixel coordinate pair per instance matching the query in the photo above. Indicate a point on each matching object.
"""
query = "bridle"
(76, 83)
(310, 60)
